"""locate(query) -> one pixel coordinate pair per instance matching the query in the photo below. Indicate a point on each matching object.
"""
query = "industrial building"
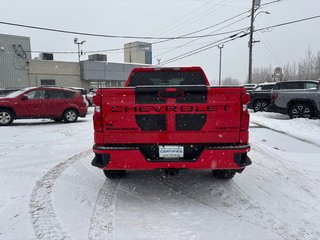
(15, 57)
(17, 69)
(49, 72)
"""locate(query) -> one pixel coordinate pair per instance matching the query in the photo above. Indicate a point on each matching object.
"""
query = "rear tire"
(6, 117)
(223, 174)
(114, 174)
(70, 115)
(301, 110)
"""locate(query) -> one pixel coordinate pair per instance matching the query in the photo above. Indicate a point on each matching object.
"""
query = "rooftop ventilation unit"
(98, 57)
(46, 56)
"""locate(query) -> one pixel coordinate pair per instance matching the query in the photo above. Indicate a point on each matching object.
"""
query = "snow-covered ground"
(300, 128)
(49, 190)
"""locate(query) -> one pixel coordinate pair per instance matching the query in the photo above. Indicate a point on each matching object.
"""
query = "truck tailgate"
(170, 115)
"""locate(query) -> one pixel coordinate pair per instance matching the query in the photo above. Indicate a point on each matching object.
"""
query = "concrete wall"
(63, 73)
(14, 60)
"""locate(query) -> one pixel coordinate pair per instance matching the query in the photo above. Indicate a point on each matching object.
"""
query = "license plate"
(171, 151)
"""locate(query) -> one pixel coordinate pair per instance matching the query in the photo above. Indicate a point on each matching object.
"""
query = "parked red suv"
(42, 102)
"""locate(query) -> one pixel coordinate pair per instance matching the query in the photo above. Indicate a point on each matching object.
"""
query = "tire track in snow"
(188, 191)
(101, 224)
(284, 163)
(286, 133)
(261, 216)
(45, 222)
(250, 212)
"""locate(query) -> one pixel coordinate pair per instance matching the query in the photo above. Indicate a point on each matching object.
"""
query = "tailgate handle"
(170, 93)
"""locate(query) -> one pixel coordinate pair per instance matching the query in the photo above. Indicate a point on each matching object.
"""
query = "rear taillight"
(245, 99)
(97, 116)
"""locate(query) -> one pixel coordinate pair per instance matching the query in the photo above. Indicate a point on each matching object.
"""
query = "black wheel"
(6, 117)
(301, 110)
(223, 174)
(257, 106)
(114, 174)
(70, 115)
(265, 106)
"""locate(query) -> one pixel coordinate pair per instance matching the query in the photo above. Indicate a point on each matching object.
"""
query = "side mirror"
(24, 97)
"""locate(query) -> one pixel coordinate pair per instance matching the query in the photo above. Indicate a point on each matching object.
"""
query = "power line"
(162, 41)
(78, 33)
(287, 23)
(184, 16)
(118, 49)
(217, 24)
(198, 16)
(196, 52)
(268, 3)
(270, 49)
(204, 48)
(113, 51)
(106, 35)
(268, 46)
(206, 28)
(209, 46)
(210, 33)
(207, 35)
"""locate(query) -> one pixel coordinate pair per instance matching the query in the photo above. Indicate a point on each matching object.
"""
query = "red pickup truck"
(171, 119)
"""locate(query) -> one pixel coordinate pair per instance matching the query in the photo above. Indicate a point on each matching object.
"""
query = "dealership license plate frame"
(171, 151)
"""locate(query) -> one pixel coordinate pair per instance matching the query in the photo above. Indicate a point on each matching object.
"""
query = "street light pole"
(220, 49)
(79, 52)
(78, 43)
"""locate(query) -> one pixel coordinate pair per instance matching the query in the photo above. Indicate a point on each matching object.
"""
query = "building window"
(48, 82)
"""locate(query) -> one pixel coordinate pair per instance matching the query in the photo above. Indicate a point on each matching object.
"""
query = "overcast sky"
(170, 18)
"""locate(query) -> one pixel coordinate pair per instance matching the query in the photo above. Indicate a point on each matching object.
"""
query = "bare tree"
(307, 68)
(290, 71)
(230, 81)
(317, 66)
(260, 75)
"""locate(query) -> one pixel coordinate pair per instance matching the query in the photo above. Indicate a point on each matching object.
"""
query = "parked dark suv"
(260, 97)
(42, 102)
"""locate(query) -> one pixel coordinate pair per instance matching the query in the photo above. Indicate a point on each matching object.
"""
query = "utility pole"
(255, 6)
(250, 42)
(220, 49)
